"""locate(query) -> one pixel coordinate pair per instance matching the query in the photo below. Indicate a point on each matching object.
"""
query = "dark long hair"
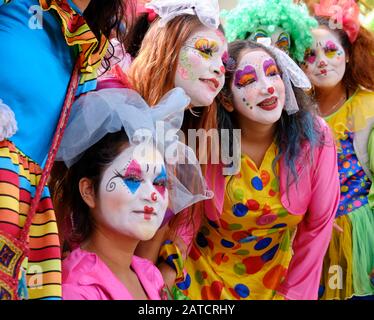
(359, 70)
(292, 131)
(69, 205)
(110, 18)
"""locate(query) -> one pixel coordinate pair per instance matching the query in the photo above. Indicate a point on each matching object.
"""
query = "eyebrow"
(331, 44)
(260, 30)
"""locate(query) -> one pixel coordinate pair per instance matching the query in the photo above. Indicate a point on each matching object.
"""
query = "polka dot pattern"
(246, 253)
(242, 290)
(355, 185)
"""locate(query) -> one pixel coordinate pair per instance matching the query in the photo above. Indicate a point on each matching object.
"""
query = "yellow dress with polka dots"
(246, 254)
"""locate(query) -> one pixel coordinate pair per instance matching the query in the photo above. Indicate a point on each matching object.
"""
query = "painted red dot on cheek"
(223, 69)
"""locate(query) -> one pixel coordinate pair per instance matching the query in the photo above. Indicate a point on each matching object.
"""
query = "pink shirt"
(316, 196)
(86, 277)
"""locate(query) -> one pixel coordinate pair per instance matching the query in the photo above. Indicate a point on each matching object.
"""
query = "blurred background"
(366, 7)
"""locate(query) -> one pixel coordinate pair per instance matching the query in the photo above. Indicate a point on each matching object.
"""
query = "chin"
(327, 83)
(201, 103)
(145, 233)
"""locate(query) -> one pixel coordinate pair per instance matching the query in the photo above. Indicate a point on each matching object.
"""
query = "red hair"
(152, 75)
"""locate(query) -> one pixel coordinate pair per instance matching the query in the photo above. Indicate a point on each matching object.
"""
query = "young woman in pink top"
(117, 189)
(264, 234)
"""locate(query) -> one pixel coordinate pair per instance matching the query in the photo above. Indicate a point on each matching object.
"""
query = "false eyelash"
(161, 182)
(130, 176)
(272, 71)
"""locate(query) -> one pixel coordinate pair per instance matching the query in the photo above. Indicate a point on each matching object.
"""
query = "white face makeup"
(258, 89)
(201, 71)
(133, 196)
(325, 61)
(279, 37)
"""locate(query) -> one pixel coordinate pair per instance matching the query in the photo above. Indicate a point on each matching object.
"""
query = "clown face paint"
(325, 61)
(132, 195)
(258, 89)
(279, 37)
(201, 70)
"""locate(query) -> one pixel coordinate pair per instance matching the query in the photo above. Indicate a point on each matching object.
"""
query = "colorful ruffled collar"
(77, 32)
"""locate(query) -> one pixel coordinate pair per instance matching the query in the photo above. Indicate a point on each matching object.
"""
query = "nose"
(149, 193)
(217, 68)
(322, 63)
(267, 90)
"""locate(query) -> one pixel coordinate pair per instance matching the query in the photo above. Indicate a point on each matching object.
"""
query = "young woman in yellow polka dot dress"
(264, 234)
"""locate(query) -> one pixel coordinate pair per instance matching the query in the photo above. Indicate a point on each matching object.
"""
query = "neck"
(82, 4)
(330, 99)
(255, 132)
(116, 250)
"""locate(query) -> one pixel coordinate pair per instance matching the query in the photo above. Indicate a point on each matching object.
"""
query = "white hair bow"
(206, 10)
(291, 74)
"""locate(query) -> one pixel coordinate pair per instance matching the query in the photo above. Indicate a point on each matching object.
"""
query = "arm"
(314, 232)
(169, 246)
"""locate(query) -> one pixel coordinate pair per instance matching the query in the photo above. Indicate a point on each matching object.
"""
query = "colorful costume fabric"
(86, 277)
(350, 258)
(255, 263)
(39, 43)
(19, 178)
(236, 251)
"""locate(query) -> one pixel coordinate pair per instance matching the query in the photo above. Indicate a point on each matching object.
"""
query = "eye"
(207, 51)
(310, 56)
(260, 34)
(206, 47)
(160, 182)
(245, 80)
(330, 51)
(283, 42)
(132, 179)
(272, 71)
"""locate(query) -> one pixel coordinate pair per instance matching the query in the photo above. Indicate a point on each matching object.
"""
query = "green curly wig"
(248, 15)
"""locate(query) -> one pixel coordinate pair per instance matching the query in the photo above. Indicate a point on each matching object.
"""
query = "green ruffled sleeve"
(371, 166)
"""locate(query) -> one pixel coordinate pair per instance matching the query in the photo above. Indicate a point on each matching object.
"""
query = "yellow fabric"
(337, 266)
(342, 263)
(220, 265)
(353, 115)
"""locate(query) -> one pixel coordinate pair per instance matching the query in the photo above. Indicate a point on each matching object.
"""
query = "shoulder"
(148, 272)
(78, 276)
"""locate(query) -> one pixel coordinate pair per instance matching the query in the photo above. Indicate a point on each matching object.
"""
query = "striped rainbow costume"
(40, 41)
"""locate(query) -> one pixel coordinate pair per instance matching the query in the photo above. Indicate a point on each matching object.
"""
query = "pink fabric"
(86, 277)
(316, 195)
(344, 12)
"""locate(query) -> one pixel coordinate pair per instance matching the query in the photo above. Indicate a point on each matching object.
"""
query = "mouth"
(212, 83)
(322, 73)
(268, 104)
(147, 213)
